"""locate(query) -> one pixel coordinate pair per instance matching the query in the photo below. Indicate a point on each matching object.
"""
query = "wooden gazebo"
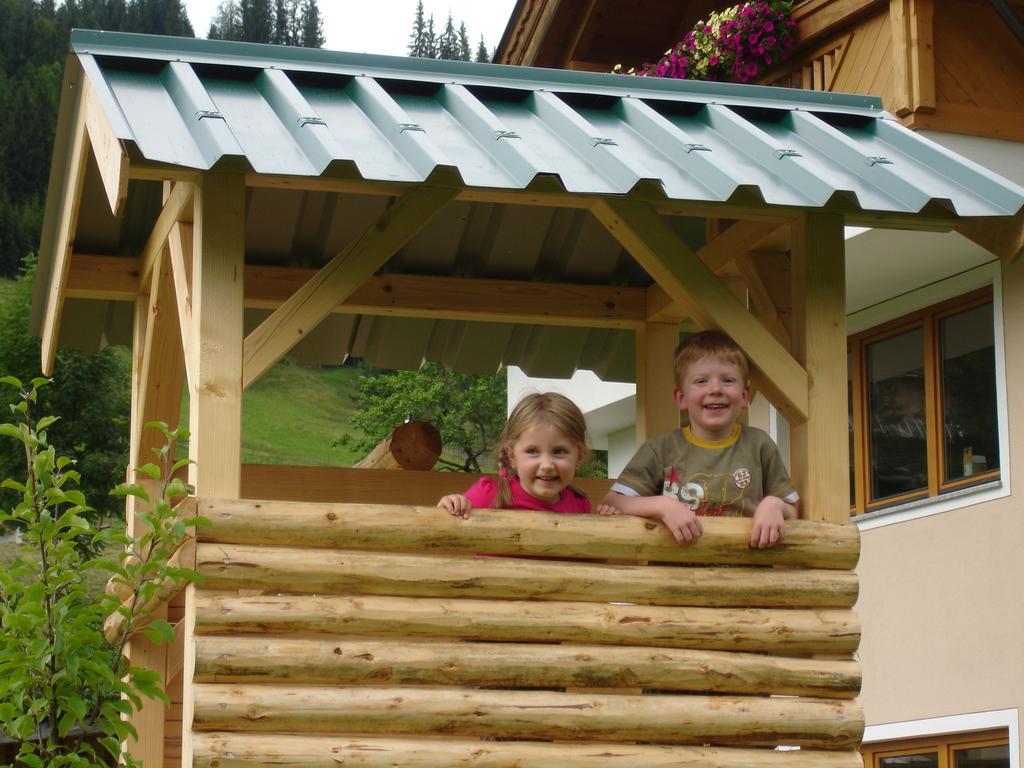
(222, 205)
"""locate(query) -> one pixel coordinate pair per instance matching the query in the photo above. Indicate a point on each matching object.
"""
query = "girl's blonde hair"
(539, 408)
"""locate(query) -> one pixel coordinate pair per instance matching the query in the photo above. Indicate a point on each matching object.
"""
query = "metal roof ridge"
(199, 50)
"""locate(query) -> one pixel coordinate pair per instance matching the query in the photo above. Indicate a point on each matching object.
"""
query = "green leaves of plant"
(56, 665)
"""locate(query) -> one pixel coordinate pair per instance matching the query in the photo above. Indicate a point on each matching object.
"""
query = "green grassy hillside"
(292, 414)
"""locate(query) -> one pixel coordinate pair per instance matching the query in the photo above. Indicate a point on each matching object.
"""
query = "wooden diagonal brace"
(290, 322)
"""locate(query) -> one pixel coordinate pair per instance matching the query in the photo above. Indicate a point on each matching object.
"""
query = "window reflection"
(970, 435)
(983, 757)
(896, 413)
(923, 760)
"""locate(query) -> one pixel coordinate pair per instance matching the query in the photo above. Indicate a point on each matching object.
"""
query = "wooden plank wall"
(378, 635)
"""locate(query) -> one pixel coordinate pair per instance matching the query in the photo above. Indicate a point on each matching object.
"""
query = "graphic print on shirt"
(708, 494)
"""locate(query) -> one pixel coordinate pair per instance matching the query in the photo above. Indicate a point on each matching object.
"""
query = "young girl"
(542, 445)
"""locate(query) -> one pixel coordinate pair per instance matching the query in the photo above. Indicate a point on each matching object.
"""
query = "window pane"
(896, 407)
(983, 757)
(970, 434)
(923, 760)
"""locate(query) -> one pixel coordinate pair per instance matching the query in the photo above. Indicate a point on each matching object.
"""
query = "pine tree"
(464, 48)
(448, 43)
(430, 39)
(226, 23)
(481, 52)
(281, 27)
(312, 32)
(257, 21)
(417, 43)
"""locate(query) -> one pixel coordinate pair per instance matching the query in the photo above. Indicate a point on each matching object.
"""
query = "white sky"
(383, 26)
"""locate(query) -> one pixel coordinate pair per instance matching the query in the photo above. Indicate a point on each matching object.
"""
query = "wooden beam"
(180, 253)
(1003, 237)
(215, 392)
(656, 411)
(107, 149)
(149, 720)
(741, 237)
(174, 206)
(215, 402)
(760, 296)
(922, 54)
(339, 278)
(689, 282)
(451, 298)
(820, 445)
(67, 222)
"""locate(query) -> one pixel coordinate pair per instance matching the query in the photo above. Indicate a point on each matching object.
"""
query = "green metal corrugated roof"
(306, 112)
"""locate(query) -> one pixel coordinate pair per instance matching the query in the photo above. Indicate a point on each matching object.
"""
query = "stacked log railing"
(377, 635)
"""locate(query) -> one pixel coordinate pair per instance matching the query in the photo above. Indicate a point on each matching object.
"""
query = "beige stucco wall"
(942, 597)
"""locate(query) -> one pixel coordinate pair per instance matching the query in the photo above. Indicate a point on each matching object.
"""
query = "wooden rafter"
(71, 194)
(686, 278)
(109, 152)
(339, 278)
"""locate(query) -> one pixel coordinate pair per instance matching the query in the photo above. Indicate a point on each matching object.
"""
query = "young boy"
(715, 466)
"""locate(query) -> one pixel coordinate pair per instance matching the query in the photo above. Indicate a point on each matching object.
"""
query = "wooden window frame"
(928, 320)
(945, 746)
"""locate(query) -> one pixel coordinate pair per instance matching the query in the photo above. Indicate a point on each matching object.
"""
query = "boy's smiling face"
(712, 391)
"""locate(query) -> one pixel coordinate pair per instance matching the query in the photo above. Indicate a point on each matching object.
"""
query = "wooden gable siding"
(979, 74)
(970, 65)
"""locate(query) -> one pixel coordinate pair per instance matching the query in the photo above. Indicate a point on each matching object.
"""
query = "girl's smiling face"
(545, 461)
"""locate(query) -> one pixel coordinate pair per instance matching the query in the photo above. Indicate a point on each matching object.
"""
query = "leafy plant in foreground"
(64, 686)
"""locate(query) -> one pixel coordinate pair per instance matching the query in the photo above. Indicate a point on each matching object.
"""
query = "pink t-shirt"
(483, 492)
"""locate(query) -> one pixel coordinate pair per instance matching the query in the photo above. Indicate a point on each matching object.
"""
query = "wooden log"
(329, 571)
(783, 631)
(665, 719)
(251, 750)
(354, 661)
(412, 445)
(391, 528)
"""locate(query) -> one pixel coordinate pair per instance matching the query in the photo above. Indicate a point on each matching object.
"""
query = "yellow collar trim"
(723, 443)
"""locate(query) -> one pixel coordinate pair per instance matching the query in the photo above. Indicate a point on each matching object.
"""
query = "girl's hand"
(607, 509)
(456, 504)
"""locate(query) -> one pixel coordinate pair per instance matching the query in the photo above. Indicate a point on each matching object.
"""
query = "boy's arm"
(680, 520)
(769, 526)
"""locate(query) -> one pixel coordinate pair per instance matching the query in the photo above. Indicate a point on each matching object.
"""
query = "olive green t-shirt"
(726, 477)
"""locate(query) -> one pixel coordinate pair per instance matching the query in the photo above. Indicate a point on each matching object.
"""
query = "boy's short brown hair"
(717, 344)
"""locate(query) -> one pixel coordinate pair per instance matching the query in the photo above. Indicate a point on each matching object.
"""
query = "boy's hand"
(456, 504)
(769, 523)
(681, 521)
(607, 509)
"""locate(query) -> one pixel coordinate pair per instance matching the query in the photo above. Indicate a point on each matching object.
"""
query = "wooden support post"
(656, 411)
(215, 402)
(158, 365)
(820, 445)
